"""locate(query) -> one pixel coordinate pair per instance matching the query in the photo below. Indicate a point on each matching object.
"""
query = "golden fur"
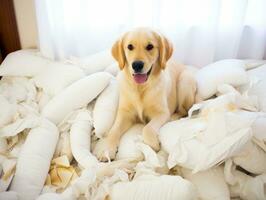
(170, 88)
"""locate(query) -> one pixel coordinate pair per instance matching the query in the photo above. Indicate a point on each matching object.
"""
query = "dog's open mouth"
(141, 77)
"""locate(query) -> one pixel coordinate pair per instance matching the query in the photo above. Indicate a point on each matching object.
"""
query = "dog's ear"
(165, 50)
(118, 53)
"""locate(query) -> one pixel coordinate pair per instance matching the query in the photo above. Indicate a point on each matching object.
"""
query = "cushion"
(252, 158)
(210, 183)
(34, 161)
(252, 63)
(242, 185)
(112, 69)
(218, 132)
(94, 63)
(105, 109)
(152, 187)
(229, 71)
(259, 127)
(258, 88)
(80, 134)
(128, 144)
(23, 63)
(57, 76)
(75, 96)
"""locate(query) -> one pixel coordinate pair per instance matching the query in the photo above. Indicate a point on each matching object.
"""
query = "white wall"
(26, 21)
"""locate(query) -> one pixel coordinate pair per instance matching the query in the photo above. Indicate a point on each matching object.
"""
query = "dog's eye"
(149, 47)
(130, 47)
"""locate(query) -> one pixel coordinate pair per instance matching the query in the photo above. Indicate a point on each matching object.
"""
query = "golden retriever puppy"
(152, 88)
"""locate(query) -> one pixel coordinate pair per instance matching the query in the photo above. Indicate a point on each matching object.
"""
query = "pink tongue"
(140, 78)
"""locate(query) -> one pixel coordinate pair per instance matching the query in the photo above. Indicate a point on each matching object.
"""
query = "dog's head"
(143, 52)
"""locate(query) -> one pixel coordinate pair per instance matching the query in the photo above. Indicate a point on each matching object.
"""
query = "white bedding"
(46, 135)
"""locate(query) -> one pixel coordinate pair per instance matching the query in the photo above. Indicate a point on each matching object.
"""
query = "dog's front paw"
(150, 137)
(105, 149)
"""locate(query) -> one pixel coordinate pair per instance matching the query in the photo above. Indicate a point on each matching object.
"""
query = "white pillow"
(112, 69)
(203, 141)
(105, 109)
(210, 183)
(149, 187)
(75, 96)
(251, 63)
(34, 161)
(229, 71)
(242, 185)
(252, 158)
(57, 76)
(80, 140)
(259, 87)
(23, 63)
(94, 63)
(128, 144)
(254, 188)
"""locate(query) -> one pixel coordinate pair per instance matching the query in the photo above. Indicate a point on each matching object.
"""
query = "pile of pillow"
(53, 113)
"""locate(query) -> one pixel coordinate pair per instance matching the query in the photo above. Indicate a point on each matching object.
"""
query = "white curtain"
(202, 31)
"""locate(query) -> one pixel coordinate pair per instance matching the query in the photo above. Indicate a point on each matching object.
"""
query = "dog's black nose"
(137, 65)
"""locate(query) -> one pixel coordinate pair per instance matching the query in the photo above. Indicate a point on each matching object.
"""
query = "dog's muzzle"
(141, 78)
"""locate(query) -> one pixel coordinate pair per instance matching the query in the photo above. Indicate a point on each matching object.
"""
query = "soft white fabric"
(217, 133)
(4, 184)
(112, 69)
(8, 195)
(3, 145)
(149, 187)
(50, 196)
(20, 93)
(252, 158)
(254, 188)
(80, 140)
(229, 71)
(243, 101)
(218, 30)
(244, 186)
(215, 130)
(95, 183)
(63, 147)
(34, 161)
(210, 183)
(259, 87)
(59, 146)
(95, 62)
(57, 76)
(8, 111)
(251, 63)
(128, 144)
(18, 89)
(151, 159)
(105, 109)
(7, 165)
(259, 127)
(42, 98)
(23, 63)
(75, 96)
(19, 125)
